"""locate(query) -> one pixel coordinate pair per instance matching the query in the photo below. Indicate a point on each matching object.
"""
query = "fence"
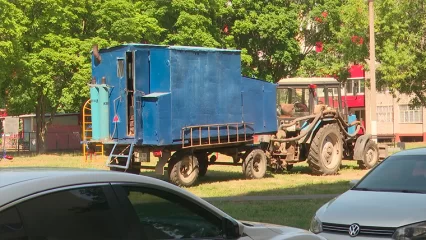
(54, 141)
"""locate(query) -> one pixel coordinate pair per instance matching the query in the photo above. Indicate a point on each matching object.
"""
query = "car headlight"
(316, 225)
(414, 231)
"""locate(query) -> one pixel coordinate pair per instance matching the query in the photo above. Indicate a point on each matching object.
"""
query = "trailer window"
(120, 67)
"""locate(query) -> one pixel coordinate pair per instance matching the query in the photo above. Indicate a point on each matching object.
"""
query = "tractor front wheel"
(371, 156)
(325, 153)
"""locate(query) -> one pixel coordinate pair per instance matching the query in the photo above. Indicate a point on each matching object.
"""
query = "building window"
(355, 86)
(408, 115)
(385, 113)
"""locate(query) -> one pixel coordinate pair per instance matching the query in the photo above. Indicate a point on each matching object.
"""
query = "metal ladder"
(122, 154)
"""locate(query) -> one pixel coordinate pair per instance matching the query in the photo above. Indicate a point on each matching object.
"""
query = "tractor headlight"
(414, 231)
(316, 225)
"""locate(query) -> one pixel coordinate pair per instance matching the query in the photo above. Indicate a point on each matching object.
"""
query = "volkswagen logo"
(354, 230)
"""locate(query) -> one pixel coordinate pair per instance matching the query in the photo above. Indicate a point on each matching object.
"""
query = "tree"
(267, 32)
(401, 45)
(56, 44)
(11, 31)
(341, 28)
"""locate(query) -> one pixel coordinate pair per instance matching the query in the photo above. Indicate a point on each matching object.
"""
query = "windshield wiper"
(389, 190)
(406, 191)
(363, 189)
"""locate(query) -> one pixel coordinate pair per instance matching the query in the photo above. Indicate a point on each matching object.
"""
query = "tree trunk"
(41, 124)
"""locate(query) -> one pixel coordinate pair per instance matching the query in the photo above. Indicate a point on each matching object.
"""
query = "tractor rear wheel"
(255, 164)
(325, 153)
(371, 156)
(183, 169)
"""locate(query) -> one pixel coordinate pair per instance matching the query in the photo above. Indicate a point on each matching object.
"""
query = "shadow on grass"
(303, 169)
(337, 187)
(217, 176)
(26, 153)
(212, 176)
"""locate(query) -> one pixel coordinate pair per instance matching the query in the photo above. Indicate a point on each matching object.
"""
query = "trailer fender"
(360, 145)
(308, 138)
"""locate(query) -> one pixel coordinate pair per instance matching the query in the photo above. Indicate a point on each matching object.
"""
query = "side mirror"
(231, 228)
(352, 183)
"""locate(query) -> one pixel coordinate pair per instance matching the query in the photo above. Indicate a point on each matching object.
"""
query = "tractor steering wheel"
(301, 107)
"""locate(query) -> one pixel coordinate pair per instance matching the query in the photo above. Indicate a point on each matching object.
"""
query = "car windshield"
(397, 174)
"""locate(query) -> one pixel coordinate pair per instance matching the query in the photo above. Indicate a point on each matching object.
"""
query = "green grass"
(224, 181)
(293, 213)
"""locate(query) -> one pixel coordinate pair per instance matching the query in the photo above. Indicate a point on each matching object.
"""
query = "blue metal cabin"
(153, 94)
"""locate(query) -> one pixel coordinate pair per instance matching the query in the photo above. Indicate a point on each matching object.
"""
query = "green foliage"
(267, 32)
(401, 28)
(342, 27)
(45, 44)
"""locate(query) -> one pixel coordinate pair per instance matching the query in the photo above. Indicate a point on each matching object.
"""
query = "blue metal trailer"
(192, 101)
(185, 103)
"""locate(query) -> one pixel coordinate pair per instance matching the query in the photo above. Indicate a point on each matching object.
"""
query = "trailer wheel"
(325, 153)
(203, 161)
(183, 170)
(371, 156)
(255, 164)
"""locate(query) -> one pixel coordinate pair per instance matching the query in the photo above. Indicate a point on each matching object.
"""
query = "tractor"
(315, 126)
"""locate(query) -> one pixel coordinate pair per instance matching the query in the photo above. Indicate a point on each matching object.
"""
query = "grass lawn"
(223, 181)
(293, 213)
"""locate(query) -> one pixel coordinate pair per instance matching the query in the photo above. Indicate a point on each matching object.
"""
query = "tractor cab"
(299, 97)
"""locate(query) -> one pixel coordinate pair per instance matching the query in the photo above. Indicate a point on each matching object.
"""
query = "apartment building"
(396, 118)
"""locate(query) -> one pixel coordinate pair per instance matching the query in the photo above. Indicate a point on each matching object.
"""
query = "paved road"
(271, 198)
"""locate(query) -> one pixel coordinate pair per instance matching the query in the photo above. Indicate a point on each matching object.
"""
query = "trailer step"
(126, 153)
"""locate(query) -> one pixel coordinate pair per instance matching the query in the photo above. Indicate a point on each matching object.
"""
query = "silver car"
(93, 204)
(388, 203)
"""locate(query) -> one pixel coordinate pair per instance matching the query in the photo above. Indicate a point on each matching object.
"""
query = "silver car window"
(166, 216)
(397, 173)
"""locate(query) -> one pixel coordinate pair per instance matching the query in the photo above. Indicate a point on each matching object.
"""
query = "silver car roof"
(17, 183)
(414, 151)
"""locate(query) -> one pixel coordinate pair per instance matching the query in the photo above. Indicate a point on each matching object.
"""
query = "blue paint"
(176, 87)
(142, 87)
(157, 119)
(94, 102)
(160, 70)
(351, 119)
(103, 111)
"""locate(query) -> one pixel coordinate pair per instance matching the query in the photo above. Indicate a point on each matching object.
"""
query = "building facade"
(396, 118)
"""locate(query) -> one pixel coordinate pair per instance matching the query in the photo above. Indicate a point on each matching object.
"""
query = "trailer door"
(141, 87)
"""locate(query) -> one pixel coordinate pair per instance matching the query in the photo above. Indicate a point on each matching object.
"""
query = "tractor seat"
(287, 110)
